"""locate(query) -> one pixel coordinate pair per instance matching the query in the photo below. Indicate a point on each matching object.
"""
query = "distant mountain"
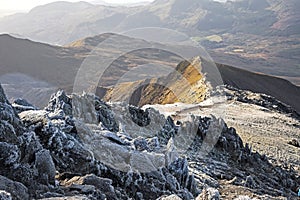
(257, 35)
(29, 68)
(190, 16)
(288, 22)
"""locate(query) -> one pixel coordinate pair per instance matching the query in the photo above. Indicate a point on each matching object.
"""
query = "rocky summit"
(79, 147)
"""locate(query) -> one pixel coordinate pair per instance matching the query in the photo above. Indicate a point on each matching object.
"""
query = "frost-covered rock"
(80, 146)
(21, 105)
(5, 195)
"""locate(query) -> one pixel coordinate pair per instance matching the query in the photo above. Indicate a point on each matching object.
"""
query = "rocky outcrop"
(27, 167)
(185, 83)
(81, 147)
(48, 142)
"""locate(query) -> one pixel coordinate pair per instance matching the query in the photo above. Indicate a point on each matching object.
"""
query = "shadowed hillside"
(281, 89)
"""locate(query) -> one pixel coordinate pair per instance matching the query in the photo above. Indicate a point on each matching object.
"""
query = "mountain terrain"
(203, 105)
(54, 153)
(35, 70)
(257, 35)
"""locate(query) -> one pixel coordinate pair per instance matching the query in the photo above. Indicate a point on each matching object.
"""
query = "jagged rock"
(10, 126)
(230, 141)
(51, 194)
(179, 169)
(9, 154)
(2, 96)
(5, 195)
(150, 144)
(146, 162)
(16, 189)
(68, 154)
(8, 132)
(168, 131)
(60, 101)
(153, 144)
(209, 194)
(203, 126)
(83, 107)
(56, 135)
(171, 153)
(122, 165)
(206, 180)
(56, 115)
(83, 189)
(139, 116)
(21, 105)
(140, 144)
(106, 116)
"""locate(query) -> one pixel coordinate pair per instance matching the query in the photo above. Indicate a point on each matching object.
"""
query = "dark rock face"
(75, 147)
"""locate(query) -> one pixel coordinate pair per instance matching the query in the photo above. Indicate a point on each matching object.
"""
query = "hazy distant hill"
(34, 70)
(257, 35)
(190, 16)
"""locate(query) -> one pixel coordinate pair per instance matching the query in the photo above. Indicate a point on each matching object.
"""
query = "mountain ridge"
(263, 32)
(65, 62)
